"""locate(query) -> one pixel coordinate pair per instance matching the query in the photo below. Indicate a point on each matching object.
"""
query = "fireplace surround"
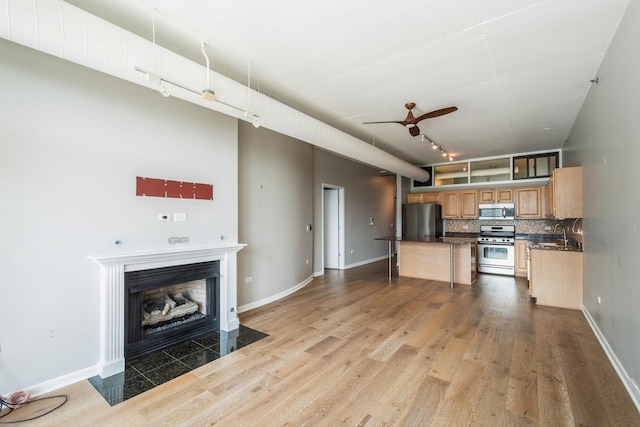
(112, 292)
(139, 339)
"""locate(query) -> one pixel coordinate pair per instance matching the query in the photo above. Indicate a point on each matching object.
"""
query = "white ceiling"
(518, 70)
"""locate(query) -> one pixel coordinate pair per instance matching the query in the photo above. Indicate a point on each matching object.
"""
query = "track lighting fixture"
(435, 146)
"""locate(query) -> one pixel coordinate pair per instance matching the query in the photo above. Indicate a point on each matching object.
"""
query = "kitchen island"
(446, 259)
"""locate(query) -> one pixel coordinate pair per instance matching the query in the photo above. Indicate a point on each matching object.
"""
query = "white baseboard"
(629, 383)
(275, 297)
(357, 264)
(365, 262)
(62, 381)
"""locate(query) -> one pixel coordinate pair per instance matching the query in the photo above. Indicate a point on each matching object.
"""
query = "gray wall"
(367, 194)
(72, 142)
(276, 204)
(605, 139)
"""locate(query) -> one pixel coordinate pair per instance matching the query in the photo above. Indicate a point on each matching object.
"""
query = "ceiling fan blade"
(373, 123)
(414, 130)
(436, 113)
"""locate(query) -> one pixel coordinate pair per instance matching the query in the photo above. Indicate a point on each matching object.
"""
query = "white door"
(331, 228)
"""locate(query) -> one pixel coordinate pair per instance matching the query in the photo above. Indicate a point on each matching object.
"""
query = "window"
(535, 165)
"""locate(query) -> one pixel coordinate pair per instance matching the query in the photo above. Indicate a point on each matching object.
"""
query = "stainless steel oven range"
(496, 250)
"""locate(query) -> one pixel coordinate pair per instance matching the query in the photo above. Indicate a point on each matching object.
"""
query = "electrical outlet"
(599, 299)
(465, 227)
(547, 228)
(248, 279)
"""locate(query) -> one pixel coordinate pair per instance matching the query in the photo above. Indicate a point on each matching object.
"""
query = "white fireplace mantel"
(112, 269)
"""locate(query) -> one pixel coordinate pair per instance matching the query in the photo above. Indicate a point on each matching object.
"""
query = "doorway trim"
(341, 221)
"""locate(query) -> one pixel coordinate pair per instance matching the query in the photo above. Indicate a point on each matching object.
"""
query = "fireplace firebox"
(142, 339)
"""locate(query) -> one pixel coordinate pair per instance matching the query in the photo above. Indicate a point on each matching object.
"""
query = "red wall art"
(154, 187)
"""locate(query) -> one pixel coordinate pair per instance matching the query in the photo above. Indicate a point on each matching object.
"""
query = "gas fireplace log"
(171, 310)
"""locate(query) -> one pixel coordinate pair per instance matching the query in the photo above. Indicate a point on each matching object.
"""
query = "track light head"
(209, 95)
(163, 91)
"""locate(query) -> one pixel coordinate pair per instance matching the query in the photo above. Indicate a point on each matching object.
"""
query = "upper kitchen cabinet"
(431, 198)
(496, 195)
(565, 193)
(459, 204)
(414, 198)
(529, 203)
(423, 198)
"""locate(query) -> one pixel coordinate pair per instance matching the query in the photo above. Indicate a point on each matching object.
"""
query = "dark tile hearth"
(145, 373)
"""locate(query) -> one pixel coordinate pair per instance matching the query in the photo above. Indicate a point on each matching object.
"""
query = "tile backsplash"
(523, 226)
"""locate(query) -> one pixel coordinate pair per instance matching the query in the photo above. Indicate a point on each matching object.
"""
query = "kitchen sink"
(551, 245)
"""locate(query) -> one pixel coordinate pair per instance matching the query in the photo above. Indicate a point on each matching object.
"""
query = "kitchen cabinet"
(529, 203)
(459, 204)
(414, 198)
(556, 278)
(496, 195)
(565, 193)
(521, 257)
(423, 198)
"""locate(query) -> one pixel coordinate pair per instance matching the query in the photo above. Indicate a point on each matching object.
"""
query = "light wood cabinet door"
(486, 196)
(565, 188)
(468, 204)
(459, 204)
(528, 203)
(504, 195)
(521, 258)
(556, 278)
(423, 198)
(414, 198)
(449, 200)
(431, 198)
(497, 195)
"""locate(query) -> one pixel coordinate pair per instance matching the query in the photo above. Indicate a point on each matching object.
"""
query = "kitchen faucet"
(564, 233)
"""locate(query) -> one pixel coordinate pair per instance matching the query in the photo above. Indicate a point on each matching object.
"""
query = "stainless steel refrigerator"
(421, 220)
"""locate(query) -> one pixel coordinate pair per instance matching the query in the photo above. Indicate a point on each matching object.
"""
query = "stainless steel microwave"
(496, 211)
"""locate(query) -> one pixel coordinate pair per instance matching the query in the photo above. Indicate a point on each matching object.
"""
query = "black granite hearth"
(146, 372)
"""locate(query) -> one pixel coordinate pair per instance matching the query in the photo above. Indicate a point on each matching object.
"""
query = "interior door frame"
(341, 220)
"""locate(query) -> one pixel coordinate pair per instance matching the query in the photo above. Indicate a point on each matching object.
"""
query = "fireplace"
(113, 269)
(169, 305)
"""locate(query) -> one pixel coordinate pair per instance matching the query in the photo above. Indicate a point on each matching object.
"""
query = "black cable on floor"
(3, 403)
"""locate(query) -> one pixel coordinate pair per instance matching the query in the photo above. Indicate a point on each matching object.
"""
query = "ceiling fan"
(411, 122)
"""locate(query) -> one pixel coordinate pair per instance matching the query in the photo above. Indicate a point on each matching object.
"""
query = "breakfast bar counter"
(451, 259)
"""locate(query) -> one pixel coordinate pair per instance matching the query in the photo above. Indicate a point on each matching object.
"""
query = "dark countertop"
(537, 241)
(560, 248)
(431, 239)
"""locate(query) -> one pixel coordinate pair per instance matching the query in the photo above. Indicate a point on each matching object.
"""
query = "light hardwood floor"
(352, 349)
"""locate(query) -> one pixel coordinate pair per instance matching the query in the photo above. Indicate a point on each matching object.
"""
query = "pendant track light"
(207, 93)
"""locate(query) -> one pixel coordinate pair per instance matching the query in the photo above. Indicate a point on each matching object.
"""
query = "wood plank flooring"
(352, 349)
